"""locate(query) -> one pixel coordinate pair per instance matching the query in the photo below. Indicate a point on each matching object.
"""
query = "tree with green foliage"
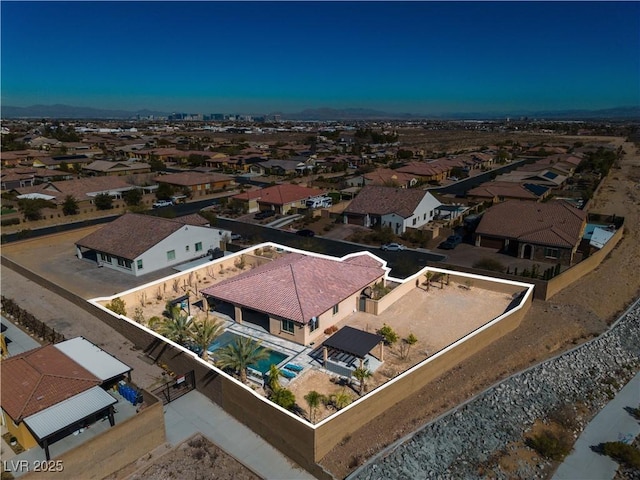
(273, 378)
(340, 400)
(176, 328)
(70, 205)
(117, 305)
(157, 165)
(283, 397)
(390, 336)
(407, 343)
(362, 375)
(164, 191)
(132, 197)
(31, 207)
(238, 355)
(103, 201)
(313, 399)
(204, 333)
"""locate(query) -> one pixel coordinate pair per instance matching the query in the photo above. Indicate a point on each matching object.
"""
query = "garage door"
(489, 242)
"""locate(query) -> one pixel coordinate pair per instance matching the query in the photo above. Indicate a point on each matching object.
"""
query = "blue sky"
(261, 57)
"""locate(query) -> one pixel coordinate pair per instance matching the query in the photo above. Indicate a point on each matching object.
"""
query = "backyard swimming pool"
(262, 366)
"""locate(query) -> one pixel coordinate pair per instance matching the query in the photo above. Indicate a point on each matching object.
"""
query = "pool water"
(263, 365)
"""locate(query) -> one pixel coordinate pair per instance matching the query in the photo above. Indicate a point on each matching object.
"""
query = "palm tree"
(341, 399)
(204, 333)
(240, 354)
(274, 378)
(175, 328)
(313, 399)
(362, 374)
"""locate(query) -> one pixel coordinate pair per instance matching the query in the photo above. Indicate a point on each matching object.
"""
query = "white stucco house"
(397, 208)
(139, 244)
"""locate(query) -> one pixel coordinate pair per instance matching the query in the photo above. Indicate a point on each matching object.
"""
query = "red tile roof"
(39, 379)
(501, 189)
(376, 200)
(389, 177)
(556, 223)
(116, 238)
(298, 287)
(280, 194)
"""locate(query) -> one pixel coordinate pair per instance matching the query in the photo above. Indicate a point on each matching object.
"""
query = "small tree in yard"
(273, 379)
(362, 375)
(313, 399)
(103, 201)
(132, 197)
(70, 205)
(428, 277)
(407, 343)
(283, 397)
(390, 336)
(204, 333)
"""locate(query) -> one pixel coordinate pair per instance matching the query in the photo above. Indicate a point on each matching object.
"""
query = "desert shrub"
(10, 221)
(622, 453)
(551, 445)
(118, 306)
(565, 416)
(390, 336)
(490, 264)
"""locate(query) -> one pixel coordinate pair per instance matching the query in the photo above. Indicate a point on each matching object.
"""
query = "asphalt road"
(612, 424)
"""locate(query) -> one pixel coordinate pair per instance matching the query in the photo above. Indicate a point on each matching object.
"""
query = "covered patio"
(349, 348)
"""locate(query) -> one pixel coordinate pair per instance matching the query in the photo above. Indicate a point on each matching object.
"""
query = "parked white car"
(393, 247)
(162, 203)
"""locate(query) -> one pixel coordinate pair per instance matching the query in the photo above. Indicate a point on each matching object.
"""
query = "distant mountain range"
(325, 114)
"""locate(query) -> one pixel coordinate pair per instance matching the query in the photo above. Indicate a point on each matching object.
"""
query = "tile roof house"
(397, 208)
(298, 296)
(139, 244)
(105, 167)
(385, 177)
(82, 189)
(196, 182)
(433, 170)
(280, 198)
(54, 389)
(548, 232)
(500, 191)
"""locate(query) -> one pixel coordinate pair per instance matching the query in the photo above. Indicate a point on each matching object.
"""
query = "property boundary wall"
(115, 448)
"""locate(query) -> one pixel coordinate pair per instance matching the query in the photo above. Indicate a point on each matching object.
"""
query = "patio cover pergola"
(354, 342)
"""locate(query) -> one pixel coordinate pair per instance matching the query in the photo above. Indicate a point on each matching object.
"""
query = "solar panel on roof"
(550, 175)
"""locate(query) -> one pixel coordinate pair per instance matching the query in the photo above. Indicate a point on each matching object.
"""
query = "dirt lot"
(579, 312)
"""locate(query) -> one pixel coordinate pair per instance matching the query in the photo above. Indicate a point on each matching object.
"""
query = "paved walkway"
(193, 413)
(613, 423)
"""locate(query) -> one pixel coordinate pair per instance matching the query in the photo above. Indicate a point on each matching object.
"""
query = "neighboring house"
(55, 162)
(397, 208)
(548, 232)
(195, 182)
(275, 167)
(281, 198)
(384, 177)
(430, 171)
(298, 296)
(139, 244)
(105, 167)
(546, 178)
(11, 178)
(84, 190)
(51, 391)
(500, 191)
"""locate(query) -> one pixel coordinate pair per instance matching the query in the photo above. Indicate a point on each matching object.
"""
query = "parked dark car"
(264, 214)
(451, 242)
(305, 232)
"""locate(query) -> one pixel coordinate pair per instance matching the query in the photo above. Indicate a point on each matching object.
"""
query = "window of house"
(171, 255)
(415, 220)
(198, 247)
(105, 257)
(139, 264)
(552, 253)
(123, 262)
(287, 326)
(186, 248)
(314, 324)
(335, 308)
(424, 217)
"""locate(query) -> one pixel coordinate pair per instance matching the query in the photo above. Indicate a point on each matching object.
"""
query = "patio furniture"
(293, 367)
(287, 373)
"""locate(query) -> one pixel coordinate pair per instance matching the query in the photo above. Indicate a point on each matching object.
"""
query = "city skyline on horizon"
(262, 57)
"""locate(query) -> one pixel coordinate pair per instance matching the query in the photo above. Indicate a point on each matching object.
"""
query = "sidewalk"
(612, 424)
(195, 413)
